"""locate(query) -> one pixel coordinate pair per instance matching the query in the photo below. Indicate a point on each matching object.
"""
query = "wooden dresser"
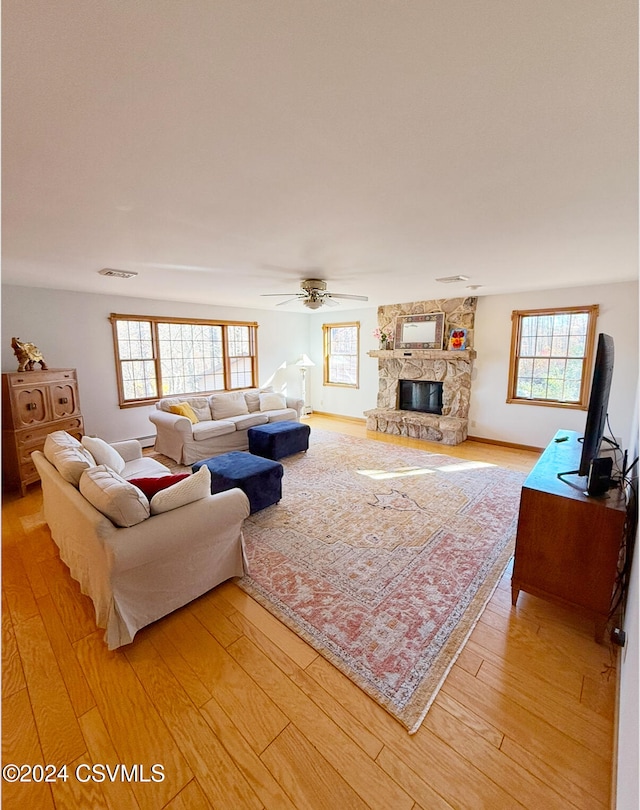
(34, 404)
(568, 543)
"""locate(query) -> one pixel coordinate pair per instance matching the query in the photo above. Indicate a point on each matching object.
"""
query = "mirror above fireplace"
(420, 331)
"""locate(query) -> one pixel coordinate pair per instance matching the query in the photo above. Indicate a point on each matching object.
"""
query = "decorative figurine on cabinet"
(28, 355)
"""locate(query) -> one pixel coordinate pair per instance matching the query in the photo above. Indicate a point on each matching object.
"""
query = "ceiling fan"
(314, 294)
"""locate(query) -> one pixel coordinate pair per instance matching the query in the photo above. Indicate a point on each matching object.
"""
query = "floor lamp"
(303, 364)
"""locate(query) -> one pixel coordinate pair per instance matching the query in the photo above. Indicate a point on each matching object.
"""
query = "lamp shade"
(305, 362)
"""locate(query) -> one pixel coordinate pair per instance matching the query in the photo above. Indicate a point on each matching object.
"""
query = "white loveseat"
(149, 562)
(217, 423)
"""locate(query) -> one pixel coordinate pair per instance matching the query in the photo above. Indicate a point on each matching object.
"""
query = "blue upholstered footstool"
(278, 439)
(259, 478)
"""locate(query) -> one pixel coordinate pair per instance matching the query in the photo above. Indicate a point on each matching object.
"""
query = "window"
(551, 356)
(341, 344)
(159, 357)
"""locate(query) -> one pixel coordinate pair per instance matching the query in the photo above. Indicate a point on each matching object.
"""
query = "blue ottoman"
(259, 478)
(278, 439)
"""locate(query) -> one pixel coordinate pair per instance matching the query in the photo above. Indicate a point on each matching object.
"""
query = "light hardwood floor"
(240, 713)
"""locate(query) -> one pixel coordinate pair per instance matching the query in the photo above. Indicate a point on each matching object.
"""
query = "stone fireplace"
(452, 369)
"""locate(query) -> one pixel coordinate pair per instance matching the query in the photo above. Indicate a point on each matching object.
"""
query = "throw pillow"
(252, 397)
(184, 409)
(193, 488)
(114, 497)
(272, 402)
(152, 485)
(103, 453)
(230, 404)
(67, 455)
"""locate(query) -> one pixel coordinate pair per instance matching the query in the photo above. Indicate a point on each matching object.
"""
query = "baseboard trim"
(358, 419)
(505, 444)
(480, 439)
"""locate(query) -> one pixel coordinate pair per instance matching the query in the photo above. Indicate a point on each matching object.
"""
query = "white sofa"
(217, 423)
(159, 560)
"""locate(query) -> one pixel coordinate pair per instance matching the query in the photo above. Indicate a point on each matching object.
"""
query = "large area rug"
(383, 558)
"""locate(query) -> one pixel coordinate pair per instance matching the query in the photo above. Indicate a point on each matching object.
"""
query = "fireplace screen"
(420, 395)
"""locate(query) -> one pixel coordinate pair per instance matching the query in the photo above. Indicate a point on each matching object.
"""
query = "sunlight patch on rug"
(384, 573)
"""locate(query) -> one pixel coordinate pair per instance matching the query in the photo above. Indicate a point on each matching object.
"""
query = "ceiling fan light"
(313, 303)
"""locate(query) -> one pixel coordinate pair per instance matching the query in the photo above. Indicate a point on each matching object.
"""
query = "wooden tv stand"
(568, 543)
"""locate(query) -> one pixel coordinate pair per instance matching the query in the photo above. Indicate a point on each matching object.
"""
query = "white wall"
(334, 399)
(628, 742)
(72, 330)
(492, 418)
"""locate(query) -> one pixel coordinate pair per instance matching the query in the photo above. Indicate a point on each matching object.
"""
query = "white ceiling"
(226, 148)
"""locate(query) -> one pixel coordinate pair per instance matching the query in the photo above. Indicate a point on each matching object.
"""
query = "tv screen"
(598, 403)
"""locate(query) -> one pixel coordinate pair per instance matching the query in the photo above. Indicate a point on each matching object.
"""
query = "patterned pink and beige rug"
(383, 558)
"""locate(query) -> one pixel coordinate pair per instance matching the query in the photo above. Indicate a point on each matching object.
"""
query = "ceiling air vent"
(451, 279)
(108, 271)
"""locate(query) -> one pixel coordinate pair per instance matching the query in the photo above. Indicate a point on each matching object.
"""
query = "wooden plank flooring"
(241, 713)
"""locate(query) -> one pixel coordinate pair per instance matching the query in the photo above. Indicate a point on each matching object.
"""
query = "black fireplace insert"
(420, 395)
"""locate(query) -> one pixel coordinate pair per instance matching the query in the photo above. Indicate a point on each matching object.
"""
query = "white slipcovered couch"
(137, 558)
(218, 423)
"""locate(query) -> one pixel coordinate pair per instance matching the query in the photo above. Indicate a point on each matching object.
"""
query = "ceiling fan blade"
(353, 297)
(326, 299)
(288, 301)
(271, 295)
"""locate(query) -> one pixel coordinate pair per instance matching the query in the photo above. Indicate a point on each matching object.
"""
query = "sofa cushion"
(145, 467)
(109, 493)
(231, 403)
(252, 397)
(209, 429)
(67, 455)
(248, 420)
(272, 401)
(103, 453)
(184, 409)
(283, 415)
(192, 488)
(150, 486)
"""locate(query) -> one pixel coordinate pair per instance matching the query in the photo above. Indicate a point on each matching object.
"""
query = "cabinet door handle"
(63, 400)
(31, 406)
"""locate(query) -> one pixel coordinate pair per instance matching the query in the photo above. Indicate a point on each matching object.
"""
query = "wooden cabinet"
(34, 404)
(568, 543)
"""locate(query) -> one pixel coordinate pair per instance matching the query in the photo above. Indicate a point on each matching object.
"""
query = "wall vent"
(108, 271)
(451, 279)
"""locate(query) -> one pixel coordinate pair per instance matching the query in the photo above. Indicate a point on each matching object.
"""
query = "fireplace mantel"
(422, 354)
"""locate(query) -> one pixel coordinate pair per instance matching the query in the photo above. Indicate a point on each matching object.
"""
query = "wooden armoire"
(34, 404)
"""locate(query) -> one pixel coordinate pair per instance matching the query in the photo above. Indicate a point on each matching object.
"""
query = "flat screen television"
(598, 403)
(597, 470)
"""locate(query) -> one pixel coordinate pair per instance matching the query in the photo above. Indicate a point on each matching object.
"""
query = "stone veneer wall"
(458, 312)
(453, 369)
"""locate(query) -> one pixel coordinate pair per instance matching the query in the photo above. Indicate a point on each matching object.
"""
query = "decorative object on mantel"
(387, 580)
(457, 339)
(420, 331)
(28, 354)
(384, 338)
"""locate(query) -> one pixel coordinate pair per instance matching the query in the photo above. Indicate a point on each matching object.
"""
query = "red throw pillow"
(152, 485)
